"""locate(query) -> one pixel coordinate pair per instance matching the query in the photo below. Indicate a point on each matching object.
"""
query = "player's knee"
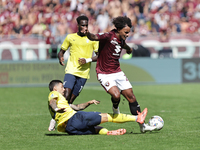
(116, 97)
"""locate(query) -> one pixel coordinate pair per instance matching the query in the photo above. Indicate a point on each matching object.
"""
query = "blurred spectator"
(103, 20)
(62, 30)
(39, 27)
(197, 12)
(1, 31)
(17, 29)
(114, 8)
(143, 28)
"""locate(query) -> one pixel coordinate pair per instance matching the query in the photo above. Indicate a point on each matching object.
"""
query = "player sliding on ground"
(70, 119)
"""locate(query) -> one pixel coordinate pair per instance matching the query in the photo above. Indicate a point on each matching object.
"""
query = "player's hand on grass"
(94, 102)
(82, 61)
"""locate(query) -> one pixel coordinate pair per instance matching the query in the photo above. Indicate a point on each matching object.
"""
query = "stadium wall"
(137, 70)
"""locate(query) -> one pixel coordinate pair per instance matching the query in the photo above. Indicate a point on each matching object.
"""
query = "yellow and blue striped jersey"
(60, 118)
(80, 47)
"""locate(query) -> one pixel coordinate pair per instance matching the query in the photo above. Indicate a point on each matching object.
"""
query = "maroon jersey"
(110, 47)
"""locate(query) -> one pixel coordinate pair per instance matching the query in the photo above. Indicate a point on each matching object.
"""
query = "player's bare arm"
(83, 105)
(127, 48)
(61, 57)
(91, 36)
(53, 105)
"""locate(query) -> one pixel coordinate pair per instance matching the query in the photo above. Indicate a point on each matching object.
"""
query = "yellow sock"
(121, 118)
(103, 131)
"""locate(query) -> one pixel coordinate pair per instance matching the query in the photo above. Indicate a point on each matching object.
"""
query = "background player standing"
(78, 65)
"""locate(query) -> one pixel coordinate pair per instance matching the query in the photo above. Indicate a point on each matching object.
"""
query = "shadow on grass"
(153, 132)
(55, 134)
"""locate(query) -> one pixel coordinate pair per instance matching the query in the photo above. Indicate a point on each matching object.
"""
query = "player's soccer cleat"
(116, 111)
(141, 116)
(145, 127)
(117, 132)
(52, 125)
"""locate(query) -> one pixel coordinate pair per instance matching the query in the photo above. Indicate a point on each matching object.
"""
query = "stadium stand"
(52, 20)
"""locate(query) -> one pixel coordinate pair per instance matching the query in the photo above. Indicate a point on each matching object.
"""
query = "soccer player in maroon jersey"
(109, 73)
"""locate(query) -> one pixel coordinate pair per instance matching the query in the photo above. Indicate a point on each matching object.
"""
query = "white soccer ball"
(156, 121)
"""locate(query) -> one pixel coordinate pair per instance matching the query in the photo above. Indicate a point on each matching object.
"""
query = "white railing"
(181, 48)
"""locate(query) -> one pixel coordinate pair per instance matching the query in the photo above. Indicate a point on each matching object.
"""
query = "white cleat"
(52, 125)
(116, 111)
(145, 127)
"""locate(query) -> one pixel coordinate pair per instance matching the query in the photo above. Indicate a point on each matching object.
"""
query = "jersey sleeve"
(52, 95)
(95, 46)
(103, 36)
(66, 43)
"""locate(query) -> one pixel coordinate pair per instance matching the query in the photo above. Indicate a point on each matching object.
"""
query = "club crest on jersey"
(107, 83)
(52, 95)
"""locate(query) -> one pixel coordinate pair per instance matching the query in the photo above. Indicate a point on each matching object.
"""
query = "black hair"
(53, 83)
(121, 21)
(82, 17)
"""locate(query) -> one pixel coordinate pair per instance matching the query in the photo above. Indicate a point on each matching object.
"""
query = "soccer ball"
(156, 121)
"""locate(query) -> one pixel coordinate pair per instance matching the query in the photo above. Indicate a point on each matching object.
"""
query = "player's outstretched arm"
(91, 36)
(61, 57)
(84, 105)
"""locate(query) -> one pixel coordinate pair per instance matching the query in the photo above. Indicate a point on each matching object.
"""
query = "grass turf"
(24, 119)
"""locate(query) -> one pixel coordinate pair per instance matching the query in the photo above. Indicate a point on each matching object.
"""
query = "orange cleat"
(142, 116)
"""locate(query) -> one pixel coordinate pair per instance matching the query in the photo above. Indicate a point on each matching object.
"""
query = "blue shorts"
(74, 83)
(83, 123)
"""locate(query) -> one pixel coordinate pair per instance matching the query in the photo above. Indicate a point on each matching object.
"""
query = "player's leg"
(135, 109)
(68, 83)
(78, 86)
(67, 94)
(127, 92)
(108, 83)
(103, 131)
(115, 98)
(121, 118)
(133, 104)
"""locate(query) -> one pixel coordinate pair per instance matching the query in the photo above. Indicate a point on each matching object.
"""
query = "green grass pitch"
(24, 119)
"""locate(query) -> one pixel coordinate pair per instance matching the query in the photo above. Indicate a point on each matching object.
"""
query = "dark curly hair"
(82, 17)
(121, 21)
